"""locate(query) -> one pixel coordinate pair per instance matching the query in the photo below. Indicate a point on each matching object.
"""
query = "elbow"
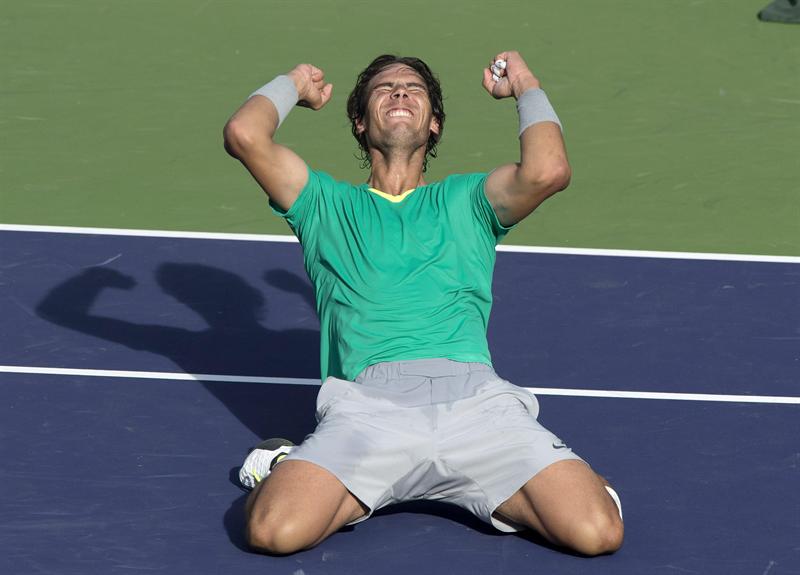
(558, 179)
(238, 138)
(551, 180)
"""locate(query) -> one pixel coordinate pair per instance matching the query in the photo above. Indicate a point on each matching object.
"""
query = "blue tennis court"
(138, 369)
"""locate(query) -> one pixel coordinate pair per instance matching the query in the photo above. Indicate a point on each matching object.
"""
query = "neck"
(393, 174)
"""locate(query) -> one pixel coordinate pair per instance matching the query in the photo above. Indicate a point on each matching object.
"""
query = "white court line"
(501, 248)
(154, 375)
(21, 369)
(148, 233)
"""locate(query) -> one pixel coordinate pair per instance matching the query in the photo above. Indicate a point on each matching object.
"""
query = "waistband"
(428, 368)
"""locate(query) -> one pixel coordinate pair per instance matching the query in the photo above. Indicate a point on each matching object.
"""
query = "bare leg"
(297, 506)
(567, 503)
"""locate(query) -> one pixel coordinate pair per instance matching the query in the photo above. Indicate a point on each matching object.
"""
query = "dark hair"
(357, 101)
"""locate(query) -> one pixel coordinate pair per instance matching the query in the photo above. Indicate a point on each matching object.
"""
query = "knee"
(598, 534)
(276, 537)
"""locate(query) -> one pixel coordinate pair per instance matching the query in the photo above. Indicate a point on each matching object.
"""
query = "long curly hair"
(357, 102)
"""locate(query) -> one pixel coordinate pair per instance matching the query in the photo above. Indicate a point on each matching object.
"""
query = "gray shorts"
(431, 429)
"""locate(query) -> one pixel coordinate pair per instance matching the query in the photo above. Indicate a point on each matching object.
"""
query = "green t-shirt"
(398, 277)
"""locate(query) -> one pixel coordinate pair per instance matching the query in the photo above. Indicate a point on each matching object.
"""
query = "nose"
(399, 92)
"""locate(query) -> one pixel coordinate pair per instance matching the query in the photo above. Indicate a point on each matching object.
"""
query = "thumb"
(326, 93)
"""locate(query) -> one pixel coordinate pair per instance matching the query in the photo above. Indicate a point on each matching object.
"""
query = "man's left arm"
(515, 190)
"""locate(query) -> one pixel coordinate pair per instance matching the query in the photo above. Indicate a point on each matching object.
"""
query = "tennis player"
(410, 407)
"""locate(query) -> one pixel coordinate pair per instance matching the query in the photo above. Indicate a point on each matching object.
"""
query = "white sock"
(615, 497)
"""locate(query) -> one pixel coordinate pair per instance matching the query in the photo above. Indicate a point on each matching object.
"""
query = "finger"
(318, 97)
(497, 88)
(317, 75)
(326, 92)
(488, 81)
(501, 56)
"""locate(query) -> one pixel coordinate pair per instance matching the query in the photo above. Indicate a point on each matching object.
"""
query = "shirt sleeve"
(483, 211)
(303, 215)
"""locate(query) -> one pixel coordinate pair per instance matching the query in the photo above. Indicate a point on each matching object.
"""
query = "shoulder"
(466, 192)
(467, 186)
(323, 180)
(461, 181)
(319, 190)
(320, 177)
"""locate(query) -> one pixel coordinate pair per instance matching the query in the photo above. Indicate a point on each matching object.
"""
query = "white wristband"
(282, 92)
(534, 107)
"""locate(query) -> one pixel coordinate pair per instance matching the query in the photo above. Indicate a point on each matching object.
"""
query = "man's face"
(398, 109)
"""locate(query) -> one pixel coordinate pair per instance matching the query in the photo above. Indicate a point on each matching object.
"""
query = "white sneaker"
(262, 459)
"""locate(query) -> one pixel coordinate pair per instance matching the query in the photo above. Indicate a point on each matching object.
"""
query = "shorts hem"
(509, 526)
(369, 505)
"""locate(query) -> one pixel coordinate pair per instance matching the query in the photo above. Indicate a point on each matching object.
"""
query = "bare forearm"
(543, 168)
(252, 127)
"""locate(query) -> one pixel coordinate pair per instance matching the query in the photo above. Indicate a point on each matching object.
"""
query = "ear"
(435, 126)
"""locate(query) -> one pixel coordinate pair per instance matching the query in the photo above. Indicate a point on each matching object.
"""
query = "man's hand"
(312, 90)
(517, 79)
(516, 189)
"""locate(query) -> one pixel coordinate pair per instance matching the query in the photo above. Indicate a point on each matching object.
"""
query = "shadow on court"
(234, 519)
(235, 340)
(412, 513)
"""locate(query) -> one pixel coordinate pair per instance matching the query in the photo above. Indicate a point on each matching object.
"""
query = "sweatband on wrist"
(534, 107)
(282, 92)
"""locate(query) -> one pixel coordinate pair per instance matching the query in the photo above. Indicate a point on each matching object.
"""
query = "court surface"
(136, 369)
(136, 372)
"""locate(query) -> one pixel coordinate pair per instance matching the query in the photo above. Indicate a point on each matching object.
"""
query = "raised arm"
(515, 190)
(249, 134)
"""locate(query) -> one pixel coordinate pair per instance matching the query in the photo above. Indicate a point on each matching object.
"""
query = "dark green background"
(682, 117)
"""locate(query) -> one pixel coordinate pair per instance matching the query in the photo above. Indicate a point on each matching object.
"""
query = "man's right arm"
(249, 137)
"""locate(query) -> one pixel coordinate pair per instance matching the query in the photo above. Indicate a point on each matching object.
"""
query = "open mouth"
(400, 113)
